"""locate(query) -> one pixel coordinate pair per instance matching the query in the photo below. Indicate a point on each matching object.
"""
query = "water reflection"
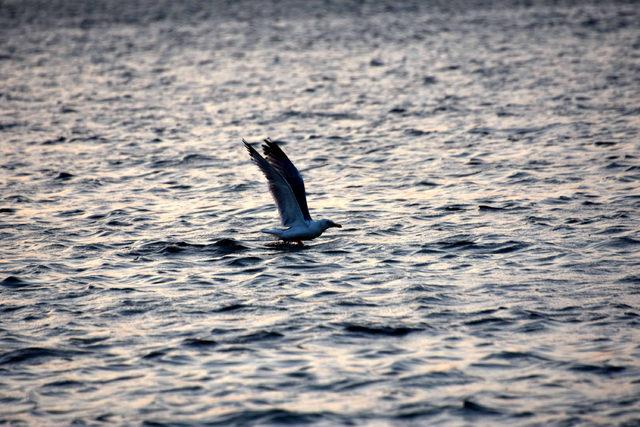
(482, 163)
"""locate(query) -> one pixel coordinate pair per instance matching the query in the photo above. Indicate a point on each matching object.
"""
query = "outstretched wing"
(281, 191)
(281, 163)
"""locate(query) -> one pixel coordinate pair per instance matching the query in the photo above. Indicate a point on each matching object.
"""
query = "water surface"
(483, 160)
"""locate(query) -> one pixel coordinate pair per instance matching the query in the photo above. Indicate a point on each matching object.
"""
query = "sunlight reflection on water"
(482, 162)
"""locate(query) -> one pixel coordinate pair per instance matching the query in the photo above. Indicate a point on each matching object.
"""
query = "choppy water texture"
(483, 160)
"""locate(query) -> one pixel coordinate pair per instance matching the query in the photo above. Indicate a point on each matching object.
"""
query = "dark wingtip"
(267, 146)
(271, 147)
(252, 151)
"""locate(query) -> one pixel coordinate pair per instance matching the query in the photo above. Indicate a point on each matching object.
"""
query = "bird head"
(327, 223)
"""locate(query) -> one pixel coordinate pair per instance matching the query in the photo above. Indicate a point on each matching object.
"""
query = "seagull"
(287, 188)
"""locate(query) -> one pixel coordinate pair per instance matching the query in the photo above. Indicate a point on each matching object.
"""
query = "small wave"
(258, 337)
(64, 176)
(516, 355)
(228, 246)
(54, 141)
(89, 138)
(604, 143)
(390, 331)
(199, 343)
(9, 125)
(196, 158)
(156, 354)
(429, 80)
(318, 114)
(489, 320)
(604, 369)
(466, 244)
(170, 248)
(485, 208)
(471, 406)
(64, 384)
(453, 208)
(273, 416)
(427, 183)
(190, 159)
(18, 198)
(416, 132)
(433, 379)
(34, 354)
(14, 282)
(244, 261)
(633, 278)
(623, 242)
(231, 307)
(481, 131)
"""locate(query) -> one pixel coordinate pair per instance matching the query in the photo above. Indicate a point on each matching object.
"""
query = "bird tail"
(273, 231)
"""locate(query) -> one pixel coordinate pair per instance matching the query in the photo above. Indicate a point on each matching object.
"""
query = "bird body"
(308, 230)
(287, 188)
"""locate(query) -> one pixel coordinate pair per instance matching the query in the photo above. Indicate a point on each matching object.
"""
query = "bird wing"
(280, 162)
(281, 191)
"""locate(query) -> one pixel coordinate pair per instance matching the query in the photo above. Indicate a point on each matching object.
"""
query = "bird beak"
(337, 225)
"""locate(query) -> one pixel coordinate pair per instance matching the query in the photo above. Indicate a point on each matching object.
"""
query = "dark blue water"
(482, 158)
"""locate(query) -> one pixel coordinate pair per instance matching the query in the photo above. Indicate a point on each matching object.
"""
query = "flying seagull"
(287, 188)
